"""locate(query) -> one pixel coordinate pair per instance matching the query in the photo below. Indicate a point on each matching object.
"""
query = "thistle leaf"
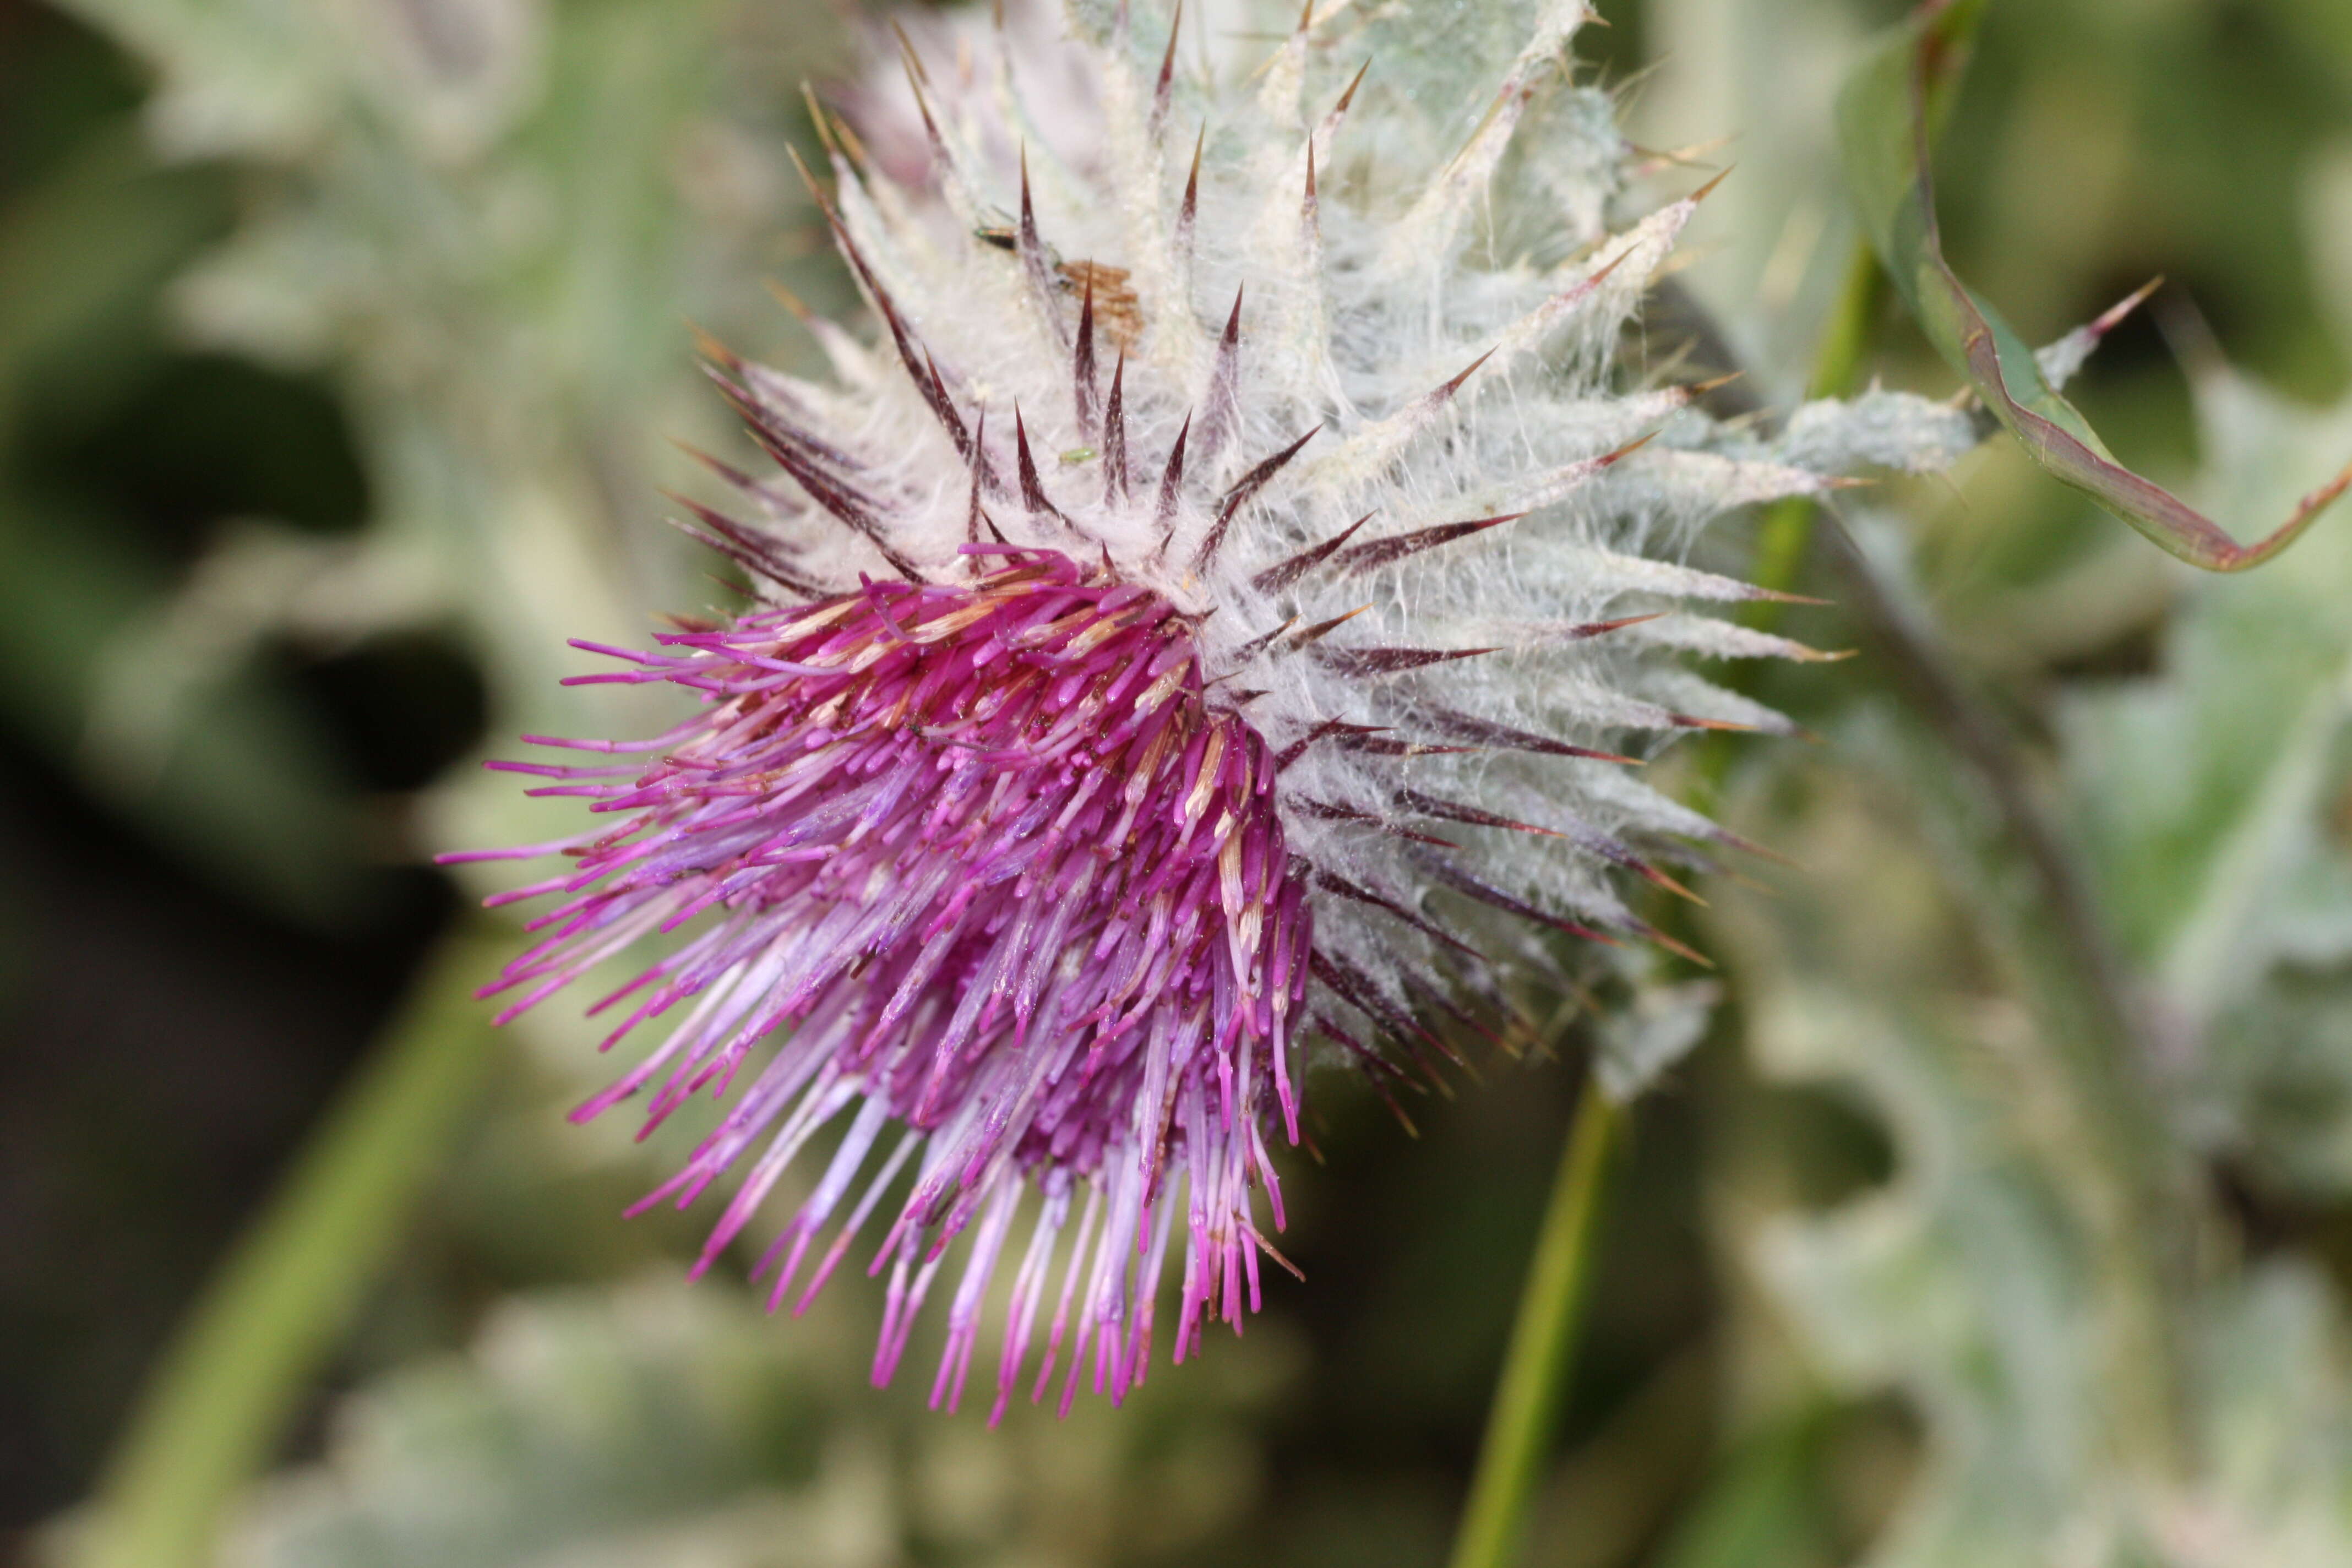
(1883, 118)
(2204, 799)
(643, 1424)
(1979, 1282)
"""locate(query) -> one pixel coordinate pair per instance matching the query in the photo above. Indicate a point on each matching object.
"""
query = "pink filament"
(960, 852)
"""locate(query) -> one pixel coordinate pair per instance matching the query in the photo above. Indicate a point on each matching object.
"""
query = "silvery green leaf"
(231, 777)
(1959, 1284)
(1883, 430)
(269, 78)
(235, 77)
(2204, 795)
(1982, 1282)
(2278, 1426)
(488, 222)
(648, 1426)
(655, 1423)
(2273, 1087)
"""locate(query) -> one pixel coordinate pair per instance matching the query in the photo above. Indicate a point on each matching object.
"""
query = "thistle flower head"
(1214, 611)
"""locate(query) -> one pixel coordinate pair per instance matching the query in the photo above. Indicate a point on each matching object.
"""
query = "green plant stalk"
(1838, 365)
(1526, 1401)
(1525, 1413)
(1852, 329)
(1786, 533)
(216, 1406)
(1519, 1426)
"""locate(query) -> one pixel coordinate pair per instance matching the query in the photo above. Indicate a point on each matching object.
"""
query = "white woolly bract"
(1424, 313)
(1225, 604)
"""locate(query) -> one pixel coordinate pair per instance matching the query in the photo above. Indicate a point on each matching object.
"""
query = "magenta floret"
(990, 861)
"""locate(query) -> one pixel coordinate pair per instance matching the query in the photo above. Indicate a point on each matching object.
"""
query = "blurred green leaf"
(618, 1427)
(1656, 1029)
(235, 781)
(487, 222)
(267, 77)
(1962, 1285)
(657, 1423)
(1761, 1510)
(2209, 800)
(1977, 1283)
(84, 251)
(490, 224)
(652, 1425)
(1883, 114)
(233, 776)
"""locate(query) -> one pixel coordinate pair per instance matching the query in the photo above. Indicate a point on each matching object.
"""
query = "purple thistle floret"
(1014, 879)
(1218, 609)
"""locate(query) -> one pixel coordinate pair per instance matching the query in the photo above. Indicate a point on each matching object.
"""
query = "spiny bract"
(1211, 614)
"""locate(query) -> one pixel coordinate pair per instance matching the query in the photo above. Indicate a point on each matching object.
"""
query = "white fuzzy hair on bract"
(1247, 441)
(1475, 491)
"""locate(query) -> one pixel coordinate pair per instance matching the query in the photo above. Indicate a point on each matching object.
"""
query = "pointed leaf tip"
(851, 149)
(818, 118)
(1884, 116)
(711, 349)
(1468, 371)
(1627, 450)
(1161, 88)
(787, 298)
(906, 51)
(2113, 317)
(799, 166)
(1354, 82)
(1687, 954)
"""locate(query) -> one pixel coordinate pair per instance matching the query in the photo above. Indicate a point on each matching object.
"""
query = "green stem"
(1849, 334)
(1520, 1425)
(216, 1406)
(1838, 365)
(1534, 1369)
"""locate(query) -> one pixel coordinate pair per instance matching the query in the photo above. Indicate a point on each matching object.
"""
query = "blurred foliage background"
(338, 347)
